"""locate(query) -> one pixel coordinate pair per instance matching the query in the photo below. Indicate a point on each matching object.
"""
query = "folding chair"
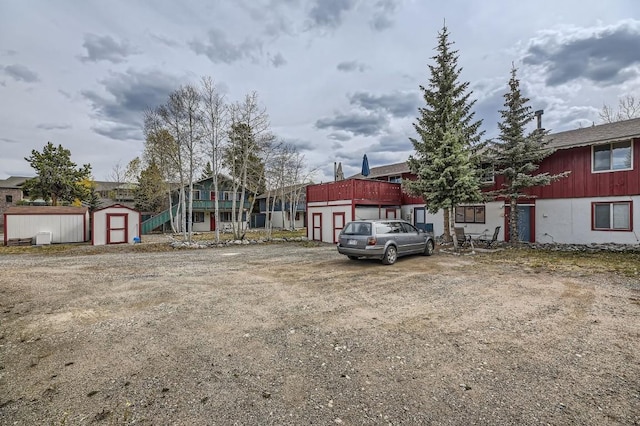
(488, 242)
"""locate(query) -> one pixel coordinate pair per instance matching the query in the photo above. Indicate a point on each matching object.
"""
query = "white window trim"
(593, 163)
(198, 214)
(611, 218)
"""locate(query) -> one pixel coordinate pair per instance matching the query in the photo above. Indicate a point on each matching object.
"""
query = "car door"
(415, 239)
(399, 235)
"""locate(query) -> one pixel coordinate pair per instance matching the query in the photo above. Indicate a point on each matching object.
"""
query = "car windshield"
(357, 228)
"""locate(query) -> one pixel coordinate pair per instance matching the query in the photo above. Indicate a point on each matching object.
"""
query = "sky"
(338, 78)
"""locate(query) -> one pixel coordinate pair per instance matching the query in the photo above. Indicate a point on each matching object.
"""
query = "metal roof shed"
(64, 224)
(116, 224)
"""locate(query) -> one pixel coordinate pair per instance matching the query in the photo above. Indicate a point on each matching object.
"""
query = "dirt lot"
(289, 334)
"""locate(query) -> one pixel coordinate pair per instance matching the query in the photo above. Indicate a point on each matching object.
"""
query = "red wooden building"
(594, 204)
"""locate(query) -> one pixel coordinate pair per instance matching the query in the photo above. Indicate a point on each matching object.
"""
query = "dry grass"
(627, 264)
(150, 244)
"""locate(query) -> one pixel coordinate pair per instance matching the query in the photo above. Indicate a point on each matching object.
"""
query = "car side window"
(383, 228)
(396, 228)
(410, 228)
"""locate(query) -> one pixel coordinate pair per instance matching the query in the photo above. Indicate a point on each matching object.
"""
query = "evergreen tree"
(516, 155)
(207, 172)
(445, 152)
(59, 179)
(151, 190)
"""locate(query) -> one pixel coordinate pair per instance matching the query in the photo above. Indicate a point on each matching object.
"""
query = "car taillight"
(371, 241)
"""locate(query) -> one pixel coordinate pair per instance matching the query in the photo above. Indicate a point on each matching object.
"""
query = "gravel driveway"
(287, 334)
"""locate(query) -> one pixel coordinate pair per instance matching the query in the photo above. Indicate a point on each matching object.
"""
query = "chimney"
(538, 115)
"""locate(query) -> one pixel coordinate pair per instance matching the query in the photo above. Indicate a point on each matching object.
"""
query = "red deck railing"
(360, 190)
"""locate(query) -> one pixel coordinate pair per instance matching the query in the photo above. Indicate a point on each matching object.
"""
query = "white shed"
(116, 224)
(50, 224)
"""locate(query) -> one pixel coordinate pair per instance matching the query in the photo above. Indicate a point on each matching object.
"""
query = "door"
(526, 214)
(390, 214)
(316, 229)
(338, 225)
(117, 228)
(420, 218)
(212, 220)
(524, 223)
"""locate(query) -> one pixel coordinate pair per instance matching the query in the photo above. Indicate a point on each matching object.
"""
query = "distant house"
(203, 208)
(287, 215)
(10, 193)
(594, 204)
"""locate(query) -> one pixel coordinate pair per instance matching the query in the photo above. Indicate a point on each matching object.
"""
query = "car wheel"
(390, 256)
(428, 248)
(353, 257)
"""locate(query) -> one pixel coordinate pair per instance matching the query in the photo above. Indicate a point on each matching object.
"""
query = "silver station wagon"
(384, 239)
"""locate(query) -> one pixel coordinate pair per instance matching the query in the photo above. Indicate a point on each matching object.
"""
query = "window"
(612, 216)
(470, 214)
(196, 195)
(395, 179)
(225, 216)
(487, 173)
(198, 217)
(228, 196)
(612, 156)
(8, 198)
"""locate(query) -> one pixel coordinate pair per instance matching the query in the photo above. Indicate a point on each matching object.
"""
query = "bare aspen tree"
(215, 118)
(250, 139)
(628, 108)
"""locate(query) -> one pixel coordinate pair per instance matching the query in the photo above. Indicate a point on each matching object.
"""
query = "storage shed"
(116, 224)
(50, 224)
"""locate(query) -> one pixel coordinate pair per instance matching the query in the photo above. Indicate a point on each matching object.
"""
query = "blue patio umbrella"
(365, 166)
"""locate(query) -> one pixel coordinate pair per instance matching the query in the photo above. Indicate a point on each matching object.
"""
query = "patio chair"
(488, 242)
(463, 240)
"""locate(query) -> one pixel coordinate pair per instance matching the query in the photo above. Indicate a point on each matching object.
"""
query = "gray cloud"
(398, 104)
(53, 126)
(382, 17)
(164, 40)
(105, 48)
(350, 66)
(129, 95)
(20, 73)
(604, 56)
(220, 50)
(278, 60)
(9, 140)
(301, 144)
(329, 13)
(367, 124)
(392, 143)
(340, 136)
(118, 131)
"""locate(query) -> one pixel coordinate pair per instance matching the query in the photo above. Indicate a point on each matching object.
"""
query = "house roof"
(602, 133)
(13, 181)
(40, 210)
(286, 189)
(388, 170)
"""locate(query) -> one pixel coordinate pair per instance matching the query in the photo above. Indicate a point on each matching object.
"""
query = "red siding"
(581, 182)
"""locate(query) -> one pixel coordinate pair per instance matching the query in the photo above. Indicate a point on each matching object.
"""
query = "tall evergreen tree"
(516, 155)
(445, 152)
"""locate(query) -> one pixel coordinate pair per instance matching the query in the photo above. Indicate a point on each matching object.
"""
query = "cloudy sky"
(339, 78)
